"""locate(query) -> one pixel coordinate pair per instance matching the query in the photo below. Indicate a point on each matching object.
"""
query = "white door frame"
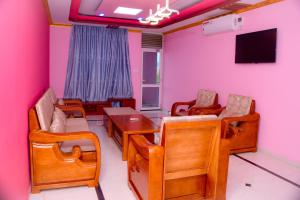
(152, 85)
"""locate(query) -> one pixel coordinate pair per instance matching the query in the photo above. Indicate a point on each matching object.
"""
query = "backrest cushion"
(44, 108)
(184, 119)
(61, 115)
(237, 105)
(58, 122)
(52, 95)
(205, 98)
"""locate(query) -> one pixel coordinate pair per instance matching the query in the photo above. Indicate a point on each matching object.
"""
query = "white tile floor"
(113, 178)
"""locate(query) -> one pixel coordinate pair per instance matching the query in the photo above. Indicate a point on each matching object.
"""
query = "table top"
(120, 111)
(134, 123)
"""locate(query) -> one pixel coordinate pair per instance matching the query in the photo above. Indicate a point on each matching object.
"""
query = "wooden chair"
(53, 168)
(190, 163)
(205, 99)
(240, 123)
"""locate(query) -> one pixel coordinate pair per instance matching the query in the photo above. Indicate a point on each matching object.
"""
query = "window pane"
(150, 97)
(151, 68)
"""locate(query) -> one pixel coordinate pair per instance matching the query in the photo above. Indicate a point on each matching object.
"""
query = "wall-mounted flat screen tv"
(256, 47)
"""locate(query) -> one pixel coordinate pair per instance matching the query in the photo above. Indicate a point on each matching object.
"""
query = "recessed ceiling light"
(127, 11)
(101, 14)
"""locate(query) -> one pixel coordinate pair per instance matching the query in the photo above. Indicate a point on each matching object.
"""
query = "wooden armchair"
(190, 163)
(53, 168)
(205, 99)
(240, 123)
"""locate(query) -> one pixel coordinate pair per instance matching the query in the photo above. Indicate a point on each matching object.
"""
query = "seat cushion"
(205, 98)
(76, 125)
(85, 145)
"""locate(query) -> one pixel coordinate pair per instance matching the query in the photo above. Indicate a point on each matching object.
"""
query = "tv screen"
(256, 47)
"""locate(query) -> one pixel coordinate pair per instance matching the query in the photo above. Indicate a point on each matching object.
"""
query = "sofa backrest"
(237, 105)
(50, 92)
(205, 98)
(183, 119)
(44, 109)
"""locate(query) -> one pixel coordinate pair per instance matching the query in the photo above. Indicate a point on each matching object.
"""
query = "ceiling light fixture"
(160, 14)
(127, 11)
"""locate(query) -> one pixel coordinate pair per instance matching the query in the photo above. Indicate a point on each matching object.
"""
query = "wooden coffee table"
(108, 112)
(125, 125)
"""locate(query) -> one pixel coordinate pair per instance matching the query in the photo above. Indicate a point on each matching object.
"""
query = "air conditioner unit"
(222, 24)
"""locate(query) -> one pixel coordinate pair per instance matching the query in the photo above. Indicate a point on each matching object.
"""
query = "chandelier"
(160, 14)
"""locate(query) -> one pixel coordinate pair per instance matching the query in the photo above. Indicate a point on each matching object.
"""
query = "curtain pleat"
(98, 65)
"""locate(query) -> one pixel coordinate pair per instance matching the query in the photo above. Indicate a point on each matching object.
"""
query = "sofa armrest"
(199, 110)
(244, 118)
(235, 129)
(72, 108)
(176, 104)
(46, 137)
(210, 111)
(72, 101)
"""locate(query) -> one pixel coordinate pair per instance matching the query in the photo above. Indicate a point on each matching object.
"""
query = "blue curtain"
(98, 66)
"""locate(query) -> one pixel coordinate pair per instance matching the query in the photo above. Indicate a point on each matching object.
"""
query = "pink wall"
(59, 51)
(208, 62)
(24, 61)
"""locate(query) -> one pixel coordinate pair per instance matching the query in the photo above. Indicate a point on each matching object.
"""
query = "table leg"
(110, 128)
(125, 146)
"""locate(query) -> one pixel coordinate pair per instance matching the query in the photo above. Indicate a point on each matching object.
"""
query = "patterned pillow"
(205, 98)
(238, 104)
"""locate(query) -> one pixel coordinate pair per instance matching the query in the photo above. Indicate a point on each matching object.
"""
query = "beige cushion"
(76, 125)
(44, 108)
(85, 145)
(205, 98)
(237, 105)
(184, 119)
(61, 114)
(58, 123)
(52, 95)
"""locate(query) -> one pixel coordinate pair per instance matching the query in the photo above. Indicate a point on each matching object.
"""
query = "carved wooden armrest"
(146, 150)
(72, 108)
(176, 104)
(228, 127)
(72, 101)
(210, 111)
(200, 110)
(244, 118)
(46, 137)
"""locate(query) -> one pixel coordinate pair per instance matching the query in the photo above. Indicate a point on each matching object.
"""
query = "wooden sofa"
(61, 159)
(191, 161)
(205, 99)
(240, 123)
